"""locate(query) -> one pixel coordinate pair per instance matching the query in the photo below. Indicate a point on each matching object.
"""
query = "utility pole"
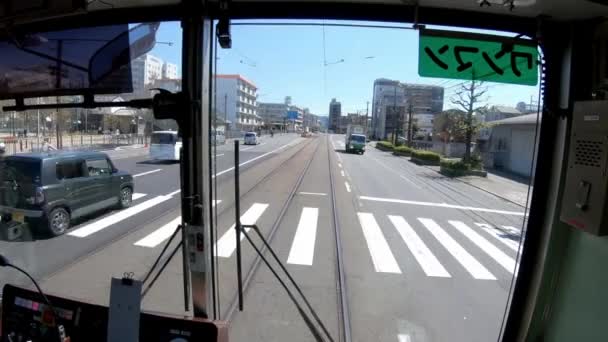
(395, 116)
(366, 114)
(225, 111)
(409, 125)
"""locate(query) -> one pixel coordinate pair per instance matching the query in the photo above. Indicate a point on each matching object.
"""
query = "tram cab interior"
(557, 292)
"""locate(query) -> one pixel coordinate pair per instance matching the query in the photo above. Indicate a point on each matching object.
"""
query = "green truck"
(355, 139)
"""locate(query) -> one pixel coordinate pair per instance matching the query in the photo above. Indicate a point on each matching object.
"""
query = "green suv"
(48, 190)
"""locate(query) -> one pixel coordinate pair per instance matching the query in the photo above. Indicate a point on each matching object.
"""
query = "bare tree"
(469, 95)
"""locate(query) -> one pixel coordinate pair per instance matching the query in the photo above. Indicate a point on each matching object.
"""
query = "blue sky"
(289, 61)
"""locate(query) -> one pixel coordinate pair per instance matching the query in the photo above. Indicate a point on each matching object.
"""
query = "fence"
(72, 142)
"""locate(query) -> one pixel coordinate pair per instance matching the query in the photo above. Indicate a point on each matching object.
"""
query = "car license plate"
(19, 217)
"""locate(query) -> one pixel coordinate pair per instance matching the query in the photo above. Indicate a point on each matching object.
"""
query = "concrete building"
(495, 113)
(392, 101)
(169, 70)
(146, 69)
(512, 144)
(335, 111)
(424, 122)
(274, 115)
(237, 98)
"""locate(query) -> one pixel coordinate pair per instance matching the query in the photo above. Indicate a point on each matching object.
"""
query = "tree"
(450, 125)
(466, 98)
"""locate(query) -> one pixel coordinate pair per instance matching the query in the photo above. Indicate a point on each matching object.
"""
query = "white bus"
(165, 145)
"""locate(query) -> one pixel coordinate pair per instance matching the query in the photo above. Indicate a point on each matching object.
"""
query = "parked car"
(48, 190)
(251, 138)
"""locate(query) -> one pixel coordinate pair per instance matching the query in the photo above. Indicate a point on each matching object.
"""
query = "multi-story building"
(237, 100)
(169, 70)
(146, 69)
(335, 112)
(393, 100)
(274, 115)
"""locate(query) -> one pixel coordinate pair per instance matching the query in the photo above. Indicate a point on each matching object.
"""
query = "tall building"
(335, 111)
(393, 100)
(274, 115)
(146, 69)
(237, 100)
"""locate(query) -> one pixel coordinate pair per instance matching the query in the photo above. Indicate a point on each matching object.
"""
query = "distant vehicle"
(355, 139)
(219, 134)
(251, 138)
(165, 145)
(48, 190)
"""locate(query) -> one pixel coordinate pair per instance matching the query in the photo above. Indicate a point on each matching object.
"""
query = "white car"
(251, 138)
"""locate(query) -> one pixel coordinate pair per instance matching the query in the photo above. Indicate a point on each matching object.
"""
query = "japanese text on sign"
(467, 56)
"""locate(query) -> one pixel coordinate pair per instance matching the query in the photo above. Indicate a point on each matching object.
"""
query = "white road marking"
(474, 267)
(381, 254)
(256, 158)
(347, 186)
(429, 263)
(492, 231)
(115, 218)
(340, 165)
(339, 157)
(226, 245)
(303, 246)
(163, 233)
(174, 192)
(146, 173)
(137, 195)
(342, 173)
(397, 173)
(219, 155)
(313, 193)
(442, 205)
(504, 260)
(404, 338)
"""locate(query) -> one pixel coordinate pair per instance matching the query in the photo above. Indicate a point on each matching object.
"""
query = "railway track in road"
(342, 302)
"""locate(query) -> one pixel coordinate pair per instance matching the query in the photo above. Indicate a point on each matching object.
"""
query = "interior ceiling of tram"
(556, 9)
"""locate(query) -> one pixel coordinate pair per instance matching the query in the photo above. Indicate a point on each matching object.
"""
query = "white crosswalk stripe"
(163, 233)
(429, 263)
(474, 267)
(226, 245)
(494, 233)
(303, 245)
(381, 254)
(496, 254)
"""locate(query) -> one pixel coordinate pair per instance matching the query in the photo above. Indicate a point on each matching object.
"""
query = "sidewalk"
(513, 190)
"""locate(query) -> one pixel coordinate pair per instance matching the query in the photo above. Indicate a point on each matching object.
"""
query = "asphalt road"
(425, 258)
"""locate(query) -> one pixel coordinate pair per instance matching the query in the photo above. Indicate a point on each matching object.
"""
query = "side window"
(70, 169)
(98, 167)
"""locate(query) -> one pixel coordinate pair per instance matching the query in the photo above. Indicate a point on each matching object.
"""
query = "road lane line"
(303, 246)
(442, 205)
(504, 260)
(226, 245)
(404, 338)
(340, 165)
(347, 186)
(256, 158)
(137, 195)
(218, 155)
(381, 254)
(107, 221)
(429, 263)
(474, 267)
(174, 192)
(146, 173)
(313, 193)
(492, 231)
(342, 173)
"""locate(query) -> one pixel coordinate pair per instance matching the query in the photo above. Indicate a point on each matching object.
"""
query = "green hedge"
(455, 165)
(426, 156)
(402, 150)
(384, 145)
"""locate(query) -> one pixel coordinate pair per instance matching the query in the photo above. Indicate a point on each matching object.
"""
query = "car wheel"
(58, 221)
(126, 197)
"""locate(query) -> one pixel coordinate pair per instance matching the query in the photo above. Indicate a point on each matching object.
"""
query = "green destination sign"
(466, 56)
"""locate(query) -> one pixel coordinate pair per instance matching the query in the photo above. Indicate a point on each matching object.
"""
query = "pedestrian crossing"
(480, 250)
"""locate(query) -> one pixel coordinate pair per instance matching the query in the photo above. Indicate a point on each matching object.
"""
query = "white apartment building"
(237, 100)
(147, 69)
(169, 71)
